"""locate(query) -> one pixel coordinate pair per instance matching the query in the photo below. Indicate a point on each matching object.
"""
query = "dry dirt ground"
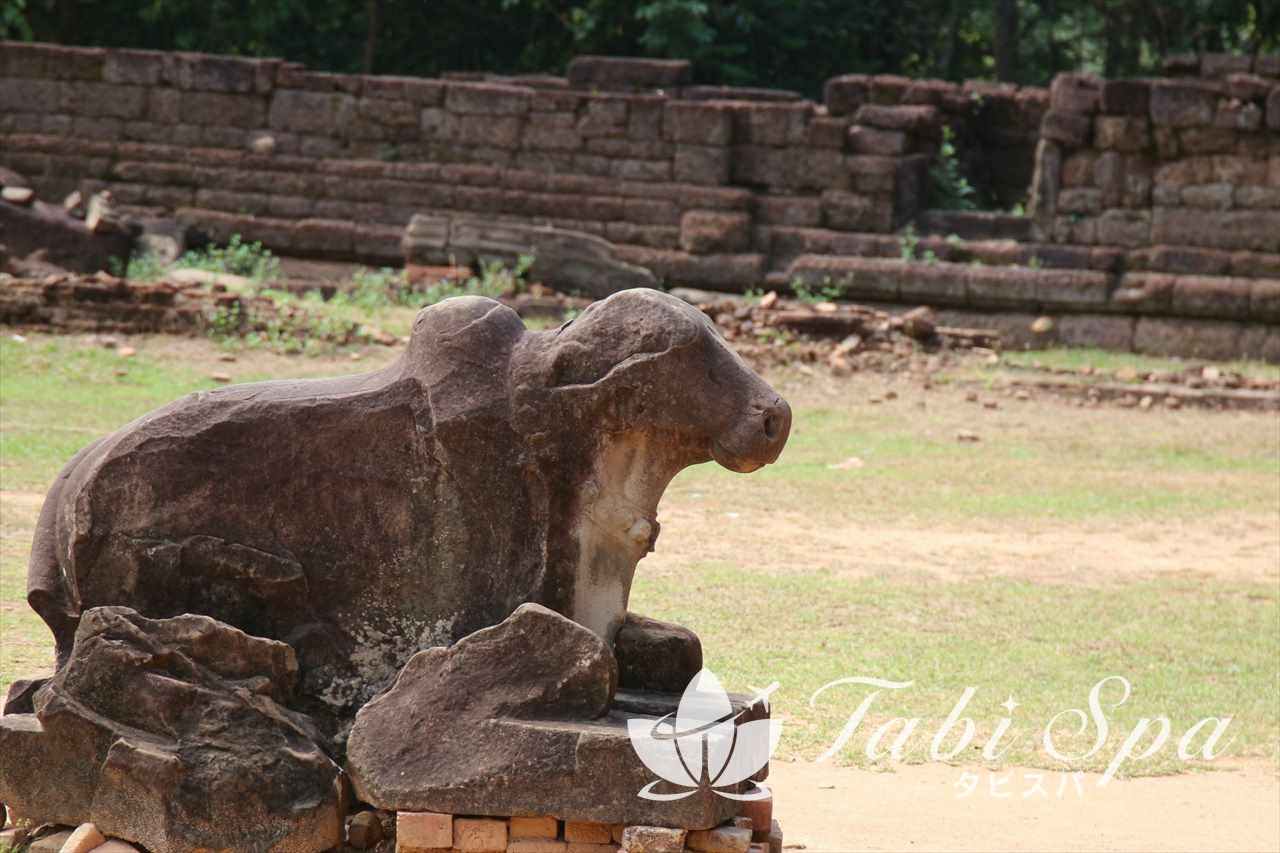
(824, 807)
(925, 807)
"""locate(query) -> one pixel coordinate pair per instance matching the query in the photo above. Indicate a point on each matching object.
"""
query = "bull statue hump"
(361, 519)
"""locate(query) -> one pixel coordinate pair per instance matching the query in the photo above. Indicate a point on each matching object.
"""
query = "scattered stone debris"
(48, 237)
(1198, 385)
(1042, 325)
(770, 331)
(18, 195)
(177, 304)
(845, 336)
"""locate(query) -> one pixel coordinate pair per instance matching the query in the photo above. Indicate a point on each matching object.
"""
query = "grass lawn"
(1065, 546)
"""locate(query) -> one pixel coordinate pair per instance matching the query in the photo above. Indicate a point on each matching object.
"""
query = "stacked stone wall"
(319, 163)
(1167, 191)
(996, 125)
(1186, 169)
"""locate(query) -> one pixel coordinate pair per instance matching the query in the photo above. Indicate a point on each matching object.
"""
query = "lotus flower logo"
(705, 745)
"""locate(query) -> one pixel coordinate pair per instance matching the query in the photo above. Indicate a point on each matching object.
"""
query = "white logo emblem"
(705, 745)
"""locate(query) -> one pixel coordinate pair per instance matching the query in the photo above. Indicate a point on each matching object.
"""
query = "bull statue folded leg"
(363, 518)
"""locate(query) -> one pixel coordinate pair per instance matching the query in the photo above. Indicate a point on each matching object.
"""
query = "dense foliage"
(792, 44)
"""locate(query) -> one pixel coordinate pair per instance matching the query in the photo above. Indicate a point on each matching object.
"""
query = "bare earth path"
(833, 809)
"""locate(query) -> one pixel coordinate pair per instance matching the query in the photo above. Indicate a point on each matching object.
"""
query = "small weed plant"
(825, 291)
(949, 189)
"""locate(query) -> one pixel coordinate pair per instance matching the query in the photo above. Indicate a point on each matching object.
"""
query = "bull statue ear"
(628, 327)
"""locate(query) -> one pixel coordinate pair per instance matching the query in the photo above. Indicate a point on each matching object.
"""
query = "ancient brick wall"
(996, 125)
(690, 181)
(1162, 196)
(1189, 167)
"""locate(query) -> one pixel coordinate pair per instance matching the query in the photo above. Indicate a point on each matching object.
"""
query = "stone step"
(948, 284)
(974, 224)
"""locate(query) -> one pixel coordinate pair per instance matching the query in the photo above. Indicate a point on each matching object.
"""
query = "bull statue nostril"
(772, 426)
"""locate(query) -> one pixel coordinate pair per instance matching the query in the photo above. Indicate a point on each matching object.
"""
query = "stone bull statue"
(363, 518)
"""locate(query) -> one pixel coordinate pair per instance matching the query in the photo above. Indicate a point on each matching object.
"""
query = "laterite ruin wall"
(1154, 205)
(623, 150)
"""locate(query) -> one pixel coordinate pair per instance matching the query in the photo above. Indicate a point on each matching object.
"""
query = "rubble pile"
(177, 304)
(844, 336)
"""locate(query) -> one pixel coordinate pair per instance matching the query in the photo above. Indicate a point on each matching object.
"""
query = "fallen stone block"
(722, 839)
(654, 655)
(149, 730)
(480, 710)
(653, 839)
(567, 260)
(364, 830)
(86, 837)
(65, 241)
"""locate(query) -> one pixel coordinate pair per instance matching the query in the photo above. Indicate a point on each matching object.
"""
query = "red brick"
(425, 831)
(587, 833)
(479, 835)
(534, 827)
(537, 845)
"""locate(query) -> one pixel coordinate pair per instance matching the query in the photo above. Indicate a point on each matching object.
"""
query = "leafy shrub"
(949, 189)
(250, 260)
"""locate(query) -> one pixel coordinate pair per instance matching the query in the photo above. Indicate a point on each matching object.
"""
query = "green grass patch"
(58, 394)
(1192, 647)
(1190, 650)
(1029, 466)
